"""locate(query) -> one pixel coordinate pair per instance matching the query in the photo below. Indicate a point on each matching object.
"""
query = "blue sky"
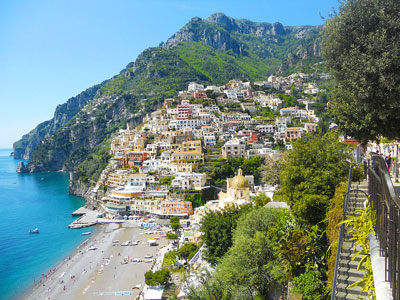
(51, 50)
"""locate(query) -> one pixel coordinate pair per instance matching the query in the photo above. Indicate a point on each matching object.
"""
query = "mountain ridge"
(209, 51)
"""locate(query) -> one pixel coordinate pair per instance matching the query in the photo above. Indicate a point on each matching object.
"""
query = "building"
(267, 129)
(310, 127)
(281, 124)
(293, 133)
(209, 139)
(170, 208)
(191, 146)
(193, 87)
(134, 158)
(189, 180)
(233, 148)
(186, 157)
(238, 191)
(116, 178)
(185, 112)
(180, 124)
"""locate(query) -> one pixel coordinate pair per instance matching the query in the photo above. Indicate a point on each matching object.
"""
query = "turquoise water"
(28, 201)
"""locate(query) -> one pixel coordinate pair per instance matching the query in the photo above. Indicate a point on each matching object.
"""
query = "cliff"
(64, 112)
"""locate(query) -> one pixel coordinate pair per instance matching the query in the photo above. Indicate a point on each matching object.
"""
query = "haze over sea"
(28, 201)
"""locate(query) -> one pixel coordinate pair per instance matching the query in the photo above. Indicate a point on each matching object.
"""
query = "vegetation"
(310, 174)
(91, 168)
(361, 44)
(187, 251)
(261, 199)
(175, 223)
(169, 258)
(172, 236)
(310, 285)
(218, 229)
(166, 180)
(228, 169)
(252, 267)
(156, 278)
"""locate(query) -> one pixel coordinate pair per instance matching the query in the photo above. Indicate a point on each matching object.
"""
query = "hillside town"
(155, 164)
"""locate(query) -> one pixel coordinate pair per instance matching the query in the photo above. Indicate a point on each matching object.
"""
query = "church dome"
(239, 181)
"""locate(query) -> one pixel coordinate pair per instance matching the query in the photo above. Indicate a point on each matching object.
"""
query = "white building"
(268, 129)
(193, 87)
(180, 124)
(189, 180)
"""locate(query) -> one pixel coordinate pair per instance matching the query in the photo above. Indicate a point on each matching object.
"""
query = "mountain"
(210, 51)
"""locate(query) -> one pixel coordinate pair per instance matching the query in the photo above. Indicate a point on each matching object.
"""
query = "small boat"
(86, 233)
(136, 260)
(127, 243)
(149, 260)
(35, 230)
(92, 248)
(148, 256)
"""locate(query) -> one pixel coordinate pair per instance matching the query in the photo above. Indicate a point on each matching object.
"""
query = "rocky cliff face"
(64, 112)
(220, 32)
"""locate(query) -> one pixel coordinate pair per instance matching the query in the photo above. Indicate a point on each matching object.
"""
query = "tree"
(218, 228)
(310, 285)
(261, 199)
(187, 251)
(172, 236)
(160, 277)
(361, 45)
(166, 180)
(175, 223)
(253, 265)
(310, 174)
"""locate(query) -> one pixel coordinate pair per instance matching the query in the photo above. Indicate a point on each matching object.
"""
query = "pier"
(88, 217)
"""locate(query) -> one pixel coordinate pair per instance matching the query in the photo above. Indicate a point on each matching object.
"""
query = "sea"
(28, 201)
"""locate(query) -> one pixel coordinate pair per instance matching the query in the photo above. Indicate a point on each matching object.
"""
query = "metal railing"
(387, 207)
(341, 237)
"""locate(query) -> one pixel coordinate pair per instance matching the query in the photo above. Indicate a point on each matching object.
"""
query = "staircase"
(347, 268)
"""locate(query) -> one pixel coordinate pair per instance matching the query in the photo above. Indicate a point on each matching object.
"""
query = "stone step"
(351, 273)
(349, 265)
(345, 296)
(348, 280)
(349, 256)
(357, 290)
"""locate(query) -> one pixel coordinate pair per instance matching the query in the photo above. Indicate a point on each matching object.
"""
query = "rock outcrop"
(24, 148)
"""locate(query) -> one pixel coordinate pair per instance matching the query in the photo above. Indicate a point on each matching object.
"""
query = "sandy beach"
(101, 273)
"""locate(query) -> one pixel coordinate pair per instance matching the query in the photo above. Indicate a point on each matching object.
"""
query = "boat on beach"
(35, 230)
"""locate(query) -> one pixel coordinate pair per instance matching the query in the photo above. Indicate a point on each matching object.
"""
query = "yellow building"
(140, 144)
(186, 157)
(191, 146)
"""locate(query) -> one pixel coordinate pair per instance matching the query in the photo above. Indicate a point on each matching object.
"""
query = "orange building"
(134, 158)
(169, 208)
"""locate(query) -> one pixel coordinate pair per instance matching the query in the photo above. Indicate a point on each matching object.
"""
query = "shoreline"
(108, 270)
(27, 291)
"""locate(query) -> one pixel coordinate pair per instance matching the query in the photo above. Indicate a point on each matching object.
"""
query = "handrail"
(387, 208)
(341, 236)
